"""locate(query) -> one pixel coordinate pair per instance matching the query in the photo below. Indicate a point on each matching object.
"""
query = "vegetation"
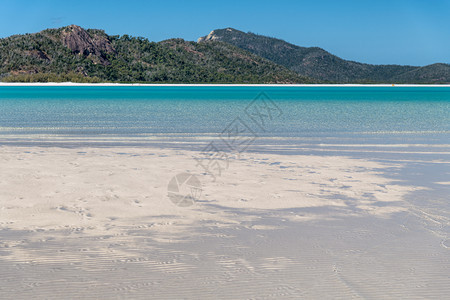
(74, 54)
(319, 64)
(50, 77)
(224, 56)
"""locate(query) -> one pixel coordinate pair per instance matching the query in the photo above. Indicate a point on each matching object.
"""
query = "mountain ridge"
(319, 64)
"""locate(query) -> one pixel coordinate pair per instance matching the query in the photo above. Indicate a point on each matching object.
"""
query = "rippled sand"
(98, 223)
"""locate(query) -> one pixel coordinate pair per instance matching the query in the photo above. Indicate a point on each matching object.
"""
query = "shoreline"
(213, 85)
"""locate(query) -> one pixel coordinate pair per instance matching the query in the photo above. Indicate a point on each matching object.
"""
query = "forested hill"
(224, 56)
(321, 65)
(74, 54)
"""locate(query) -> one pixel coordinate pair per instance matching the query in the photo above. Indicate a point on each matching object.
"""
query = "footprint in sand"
(446, 244)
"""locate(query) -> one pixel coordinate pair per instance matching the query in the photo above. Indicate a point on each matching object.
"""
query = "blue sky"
(415, 32)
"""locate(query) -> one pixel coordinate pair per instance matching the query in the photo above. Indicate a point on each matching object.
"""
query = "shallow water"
(287, 115)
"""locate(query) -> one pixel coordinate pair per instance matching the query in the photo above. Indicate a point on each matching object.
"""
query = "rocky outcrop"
(212, 36)
(81, 42)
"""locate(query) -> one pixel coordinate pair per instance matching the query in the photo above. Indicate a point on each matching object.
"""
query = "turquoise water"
(304, 117)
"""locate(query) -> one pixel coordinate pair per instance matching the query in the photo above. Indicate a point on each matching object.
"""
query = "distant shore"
(216, 85)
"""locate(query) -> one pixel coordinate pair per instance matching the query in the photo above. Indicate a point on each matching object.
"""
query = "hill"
(321, 65)
(74, 54)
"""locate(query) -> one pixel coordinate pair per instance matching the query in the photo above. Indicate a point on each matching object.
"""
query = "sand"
(98, 223)
(99, 190)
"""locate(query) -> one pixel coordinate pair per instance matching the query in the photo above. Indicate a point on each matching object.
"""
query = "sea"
(363, 121)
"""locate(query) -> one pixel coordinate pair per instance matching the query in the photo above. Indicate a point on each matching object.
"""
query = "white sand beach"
(95, 188)
(290, 225)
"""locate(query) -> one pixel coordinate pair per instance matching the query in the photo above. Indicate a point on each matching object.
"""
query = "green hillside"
(74, 54)
(321, 65)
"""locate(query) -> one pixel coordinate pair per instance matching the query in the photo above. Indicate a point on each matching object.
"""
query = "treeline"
(49, 77)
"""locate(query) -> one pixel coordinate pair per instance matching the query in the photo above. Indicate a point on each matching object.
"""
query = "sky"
(407, 32)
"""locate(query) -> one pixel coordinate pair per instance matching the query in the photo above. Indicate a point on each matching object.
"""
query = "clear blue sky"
(415, 32)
